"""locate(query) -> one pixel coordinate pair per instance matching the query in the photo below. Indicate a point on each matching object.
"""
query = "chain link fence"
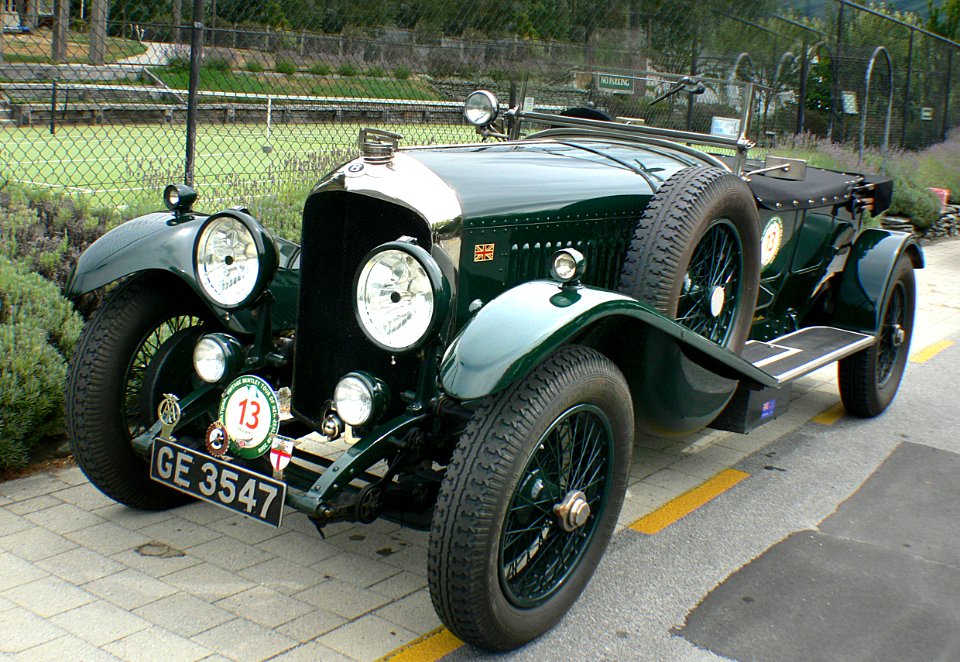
(254, 101)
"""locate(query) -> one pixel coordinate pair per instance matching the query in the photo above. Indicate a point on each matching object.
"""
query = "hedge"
(38, 332)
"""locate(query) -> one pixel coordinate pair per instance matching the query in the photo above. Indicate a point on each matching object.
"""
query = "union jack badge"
(483, 252)
(281, 450)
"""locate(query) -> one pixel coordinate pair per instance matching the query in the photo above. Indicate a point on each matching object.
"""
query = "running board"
(799, 353)
(782, 360)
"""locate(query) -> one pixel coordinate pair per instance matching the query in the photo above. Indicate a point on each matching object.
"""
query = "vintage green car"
(482, 330)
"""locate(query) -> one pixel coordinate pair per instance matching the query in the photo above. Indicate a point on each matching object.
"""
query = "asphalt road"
(759, 574)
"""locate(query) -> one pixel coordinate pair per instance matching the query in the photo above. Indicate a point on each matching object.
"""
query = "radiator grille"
(339, 229)
(603, 255)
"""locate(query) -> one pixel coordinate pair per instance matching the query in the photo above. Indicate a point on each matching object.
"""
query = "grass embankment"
(216, 79)
(34, 48)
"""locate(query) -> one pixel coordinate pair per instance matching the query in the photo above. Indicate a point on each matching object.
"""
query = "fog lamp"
(216, 357)
(179, 197)
(360, 398)
(567, 265)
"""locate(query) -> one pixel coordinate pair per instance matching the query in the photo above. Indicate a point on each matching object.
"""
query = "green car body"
(485, 228)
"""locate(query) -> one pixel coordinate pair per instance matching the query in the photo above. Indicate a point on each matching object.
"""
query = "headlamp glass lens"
(353, 400)
(395, 299)
(227, 261)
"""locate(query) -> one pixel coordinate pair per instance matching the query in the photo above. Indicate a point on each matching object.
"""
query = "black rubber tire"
(96, 380)
(486, 468)
(862, 390)
(669, 231)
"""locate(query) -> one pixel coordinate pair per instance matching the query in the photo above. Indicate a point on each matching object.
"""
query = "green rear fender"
(513, 333)
(866, 277)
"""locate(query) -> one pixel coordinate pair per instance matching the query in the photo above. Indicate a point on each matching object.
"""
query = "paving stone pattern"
(80, 577)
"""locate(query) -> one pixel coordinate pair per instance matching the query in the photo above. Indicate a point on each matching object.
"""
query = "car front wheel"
(136, 347)
(530, 500)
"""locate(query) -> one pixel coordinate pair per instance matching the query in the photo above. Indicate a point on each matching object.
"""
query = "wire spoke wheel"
(530, 499)
(137, 346)
(891, 337)
(537, 551)
(695, 254)
(133, 385)
(869, 379)
(712, 284)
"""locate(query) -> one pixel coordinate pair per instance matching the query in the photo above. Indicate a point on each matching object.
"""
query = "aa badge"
(281, 450)
(169, 414)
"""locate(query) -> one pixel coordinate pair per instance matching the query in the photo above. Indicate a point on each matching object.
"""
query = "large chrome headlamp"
(481, 108)
(401, 295)
(235, 259)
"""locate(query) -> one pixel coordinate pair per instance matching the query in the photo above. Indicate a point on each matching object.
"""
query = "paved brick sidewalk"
(84, 578)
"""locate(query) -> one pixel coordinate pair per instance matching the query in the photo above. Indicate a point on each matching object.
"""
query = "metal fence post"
(196, 48)
(905, 113)
(946, 95)
(804, 70)
(835, 112)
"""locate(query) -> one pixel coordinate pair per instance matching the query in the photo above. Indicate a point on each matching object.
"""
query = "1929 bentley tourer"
(487, 326)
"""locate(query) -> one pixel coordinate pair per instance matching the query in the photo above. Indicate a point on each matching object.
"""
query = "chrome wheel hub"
(573, 512)
(898, 335)
(717, 298)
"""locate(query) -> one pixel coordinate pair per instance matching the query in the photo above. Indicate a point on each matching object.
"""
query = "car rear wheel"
(135, 348)
(530, 499)
(869, 379)
(695, 254)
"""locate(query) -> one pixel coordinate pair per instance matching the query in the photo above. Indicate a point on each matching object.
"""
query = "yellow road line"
(831, 415)
(686, 503)
(428, 648)
(928, 353)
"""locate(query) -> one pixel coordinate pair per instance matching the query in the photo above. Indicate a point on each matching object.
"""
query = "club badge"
(250, 412)
(218, 441)
(770, 241)
(483, 252)
(281, 450)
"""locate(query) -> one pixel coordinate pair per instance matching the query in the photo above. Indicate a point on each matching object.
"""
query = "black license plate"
(218, 482)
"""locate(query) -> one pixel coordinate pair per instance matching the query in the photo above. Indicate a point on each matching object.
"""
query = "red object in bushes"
(943, 194)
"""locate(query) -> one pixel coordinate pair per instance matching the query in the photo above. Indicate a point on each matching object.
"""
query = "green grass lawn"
(128, 166)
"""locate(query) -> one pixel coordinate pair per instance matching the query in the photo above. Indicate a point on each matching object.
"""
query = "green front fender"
(155, 241)
(866, 277)
(162, 242)
(513, 333)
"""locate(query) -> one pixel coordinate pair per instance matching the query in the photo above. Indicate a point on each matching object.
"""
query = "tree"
(944, 18)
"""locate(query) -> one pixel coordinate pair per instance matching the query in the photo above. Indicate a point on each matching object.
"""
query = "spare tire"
(695, 254)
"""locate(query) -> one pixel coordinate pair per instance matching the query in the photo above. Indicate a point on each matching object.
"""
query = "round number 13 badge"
(250, 411)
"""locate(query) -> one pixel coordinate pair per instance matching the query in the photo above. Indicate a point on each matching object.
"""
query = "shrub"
(320, 69)
(348, 69)
(286, 67)
(253, 66)
(48, 231)
(220, 64)
(178, 63)
(375, 72)
(38, 332)
(916, 202)
(401, 73)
